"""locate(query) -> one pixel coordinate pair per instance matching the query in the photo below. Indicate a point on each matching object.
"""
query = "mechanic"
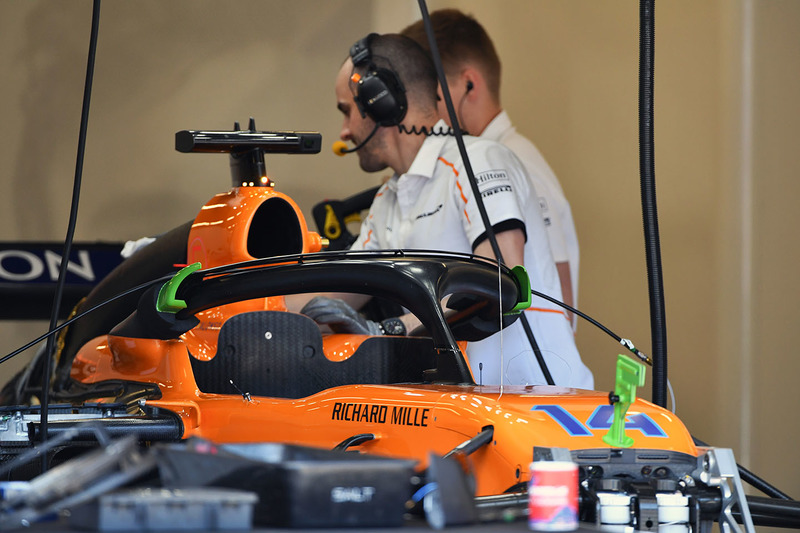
(387, 92)
(473, 70)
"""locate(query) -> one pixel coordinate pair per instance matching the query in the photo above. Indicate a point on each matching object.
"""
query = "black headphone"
(379, 92)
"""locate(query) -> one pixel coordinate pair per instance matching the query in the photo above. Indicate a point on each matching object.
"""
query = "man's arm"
(566, 286)
(511, 244)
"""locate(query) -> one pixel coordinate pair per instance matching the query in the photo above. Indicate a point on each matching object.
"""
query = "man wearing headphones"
(473, 70)
(386, 91)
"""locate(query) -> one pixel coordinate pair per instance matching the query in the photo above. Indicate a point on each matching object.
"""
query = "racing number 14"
(600, 419)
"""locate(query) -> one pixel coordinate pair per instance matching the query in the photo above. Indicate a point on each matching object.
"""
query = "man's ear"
(471, 79)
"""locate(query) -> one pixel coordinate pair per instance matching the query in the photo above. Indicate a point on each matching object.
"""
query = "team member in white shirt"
(428, 202)
(473, 73)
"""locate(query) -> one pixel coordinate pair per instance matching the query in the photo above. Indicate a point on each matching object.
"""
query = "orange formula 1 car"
(214, 353)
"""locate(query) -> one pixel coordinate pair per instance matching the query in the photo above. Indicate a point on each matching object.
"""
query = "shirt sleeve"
(503, 186)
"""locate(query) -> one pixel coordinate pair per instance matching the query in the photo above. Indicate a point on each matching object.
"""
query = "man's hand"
(342, 318)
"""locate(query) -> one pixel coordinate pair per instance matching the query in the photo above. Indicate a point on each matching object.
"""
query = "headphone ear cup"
(382, 97)
(359, 105)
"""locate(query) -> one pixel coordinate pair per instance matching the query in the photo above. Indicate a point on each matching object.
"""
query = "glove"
(339, 316)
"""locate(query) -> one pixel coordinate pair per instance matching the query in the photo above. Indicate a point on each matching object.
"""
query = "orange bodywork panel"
(408, 421)
(221, 233)
(240, 225)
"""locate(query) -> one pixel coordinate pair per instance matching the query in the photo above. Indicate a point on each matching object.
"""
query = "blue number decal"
(601, 418)
(570, 424)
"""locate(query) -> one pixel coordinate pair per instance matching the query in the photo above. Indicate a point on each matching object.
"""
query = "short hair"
(460, 39)
(411, 63)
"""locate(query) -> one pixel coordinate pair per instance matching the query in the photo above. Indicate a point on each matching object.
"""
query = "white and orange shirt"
(432, 207)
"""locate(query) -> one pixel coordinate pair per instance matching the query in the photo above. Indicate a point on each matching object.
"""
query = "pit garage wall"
(726, 158)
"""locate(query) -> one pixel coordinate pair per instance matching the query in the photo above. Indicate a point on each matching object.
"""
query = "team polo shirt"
(432, 207)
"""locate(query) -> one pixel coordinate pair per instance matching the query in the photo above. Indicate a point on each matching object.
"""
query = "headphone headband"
(361, 52)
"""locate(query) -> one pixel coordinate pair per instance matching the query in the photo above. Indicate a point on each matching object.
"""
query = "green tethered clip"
(524, 283)
(167, 302)
(630, 375)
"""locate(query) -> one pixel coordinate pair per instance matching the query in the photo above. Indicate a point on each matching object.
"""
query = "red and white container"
(553, 496)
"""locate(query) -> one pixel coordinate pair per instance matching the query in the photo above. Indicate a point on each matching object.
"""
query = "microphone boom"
(340, 147)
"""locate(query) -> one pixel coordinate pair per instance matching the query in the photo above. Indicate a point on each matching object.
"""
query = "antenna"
(245, 395)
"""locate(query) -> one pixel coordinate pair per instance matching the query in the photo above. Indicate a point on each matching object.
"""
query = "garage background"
(727, 159)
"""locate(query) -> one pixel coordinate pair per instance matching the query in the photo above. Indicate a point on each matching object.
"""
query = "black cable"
(73, 215)
(752, 478)
(762, 484)
(77, 317)
(625, 342)
(768, 520)
(437, 61)
(658, 327)
(360, 145)
(457, 129)
(780, 508)
(422, 130)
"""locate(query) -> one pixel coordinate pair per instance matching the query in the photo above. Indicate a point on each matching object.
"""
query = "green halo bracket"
(524, 283)
(630, 375)
(167, 302)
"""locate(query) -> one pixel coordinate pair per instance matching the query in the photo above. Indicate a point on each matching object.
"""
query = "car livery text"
(381, 414)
